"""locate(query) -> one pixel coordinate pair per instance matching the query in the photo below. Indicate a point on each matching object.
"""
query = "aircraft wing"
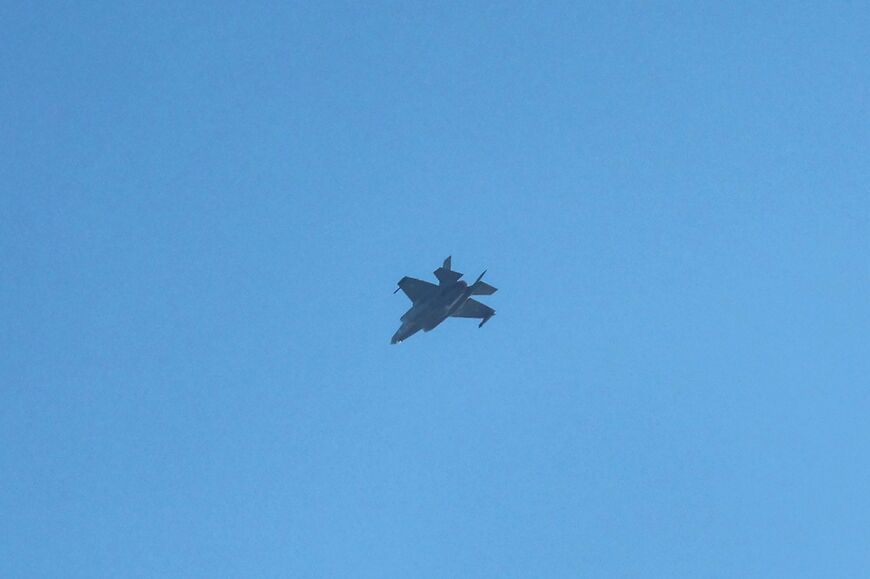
(416, 289)
(474, 309)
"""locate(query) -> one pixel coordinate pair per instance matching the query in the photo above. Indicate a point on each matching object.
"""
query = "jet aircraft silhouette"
(432, 304)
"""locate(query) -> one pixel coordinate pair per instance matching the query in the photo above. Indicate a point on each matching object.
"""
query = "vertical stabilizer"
(481, 288)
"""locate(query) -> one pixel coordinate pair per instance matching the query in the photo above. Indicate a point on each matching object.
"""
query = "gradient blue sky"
(205, 208)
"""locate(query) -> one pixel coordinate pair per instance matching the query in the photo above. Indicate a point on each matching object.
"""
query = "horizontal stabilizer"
(482, 288)
(445, 275)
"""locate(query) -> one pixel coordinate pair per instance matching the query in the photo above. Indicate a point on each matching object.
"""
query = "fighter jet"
(432, 304)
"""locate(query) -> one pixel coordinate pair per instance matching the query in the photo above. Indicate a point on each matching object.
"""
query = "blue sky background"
(205, 208)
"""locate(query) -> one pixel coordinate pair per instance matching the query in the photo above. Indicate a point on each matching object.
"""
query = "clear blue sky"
(205, 208)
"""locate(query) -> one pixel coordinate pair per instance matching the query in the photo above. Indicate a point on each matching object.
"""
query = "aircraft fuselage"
(427, 314)
(432, 304)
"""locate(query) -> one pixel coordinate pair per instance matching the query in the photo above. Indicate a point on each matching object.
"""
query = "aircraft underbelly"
(432, 322)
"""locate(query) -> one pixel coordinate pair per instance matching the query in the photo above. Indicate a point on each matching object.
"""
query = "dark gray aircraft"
(432, 304)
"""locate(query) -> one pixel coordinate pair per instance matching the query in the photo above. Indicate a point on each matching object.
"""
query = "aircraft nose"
(407, 329)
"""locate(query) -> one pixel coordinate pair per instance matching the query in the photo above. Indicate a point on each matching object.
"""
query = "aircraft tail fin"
(445, 275)
(481, 288)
